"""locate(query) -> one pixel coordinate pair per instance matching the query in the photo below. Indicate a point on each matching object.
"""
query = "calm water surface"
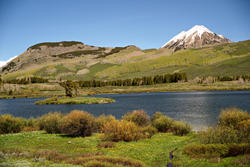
(201, 109)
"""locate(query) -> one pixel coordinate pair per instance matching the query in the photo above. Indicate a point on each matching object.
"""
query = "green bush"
(206, 150)
(101, 121)
(121, 131)
(216, 150)
(244, 131)
(238, 149)
(51, 122)
(139, 117)
(31, 122)
(231, 117)
(78, 123)
(219, 135)
(163, 124)
(156, 116)
(179, 128)
(149, 131)
(30, 125)
(233, 127)
(10, 124)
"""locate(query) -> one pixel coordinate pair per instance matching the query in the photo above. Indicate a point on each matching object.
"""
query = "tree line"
(146, 80)
(233, 78)
(27, 80)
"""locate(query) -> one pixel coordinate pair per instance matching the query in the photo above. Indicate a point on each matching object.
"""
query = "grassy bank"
(151, 152)
(76, 100)
(171, 87)
(48, 90)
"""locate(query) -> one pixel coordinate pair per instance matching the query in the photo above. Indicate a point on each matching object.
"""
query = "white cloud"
(2, 63)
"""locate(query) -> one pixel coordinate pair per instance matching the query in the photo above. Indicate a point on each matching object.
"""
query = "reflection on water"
(201, 109)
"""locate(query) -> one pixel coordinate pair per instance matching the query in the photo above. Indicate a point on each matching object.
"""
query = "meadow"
(30, 147)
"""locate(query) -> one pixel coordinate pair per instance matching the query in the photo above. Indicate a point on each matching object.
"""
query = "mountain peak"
(200, 29)
(196, 37)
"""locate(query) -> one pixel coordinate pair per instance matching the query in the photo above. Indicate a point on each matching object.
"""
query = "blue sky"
(144, 23)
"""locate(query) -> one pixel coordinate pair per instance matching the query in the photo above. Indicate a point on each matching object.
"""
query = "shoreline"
(173, 87)
(130, 92)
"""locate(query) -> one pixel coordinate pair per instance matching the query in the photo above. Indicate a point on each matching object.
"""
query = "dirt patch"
(83, 71)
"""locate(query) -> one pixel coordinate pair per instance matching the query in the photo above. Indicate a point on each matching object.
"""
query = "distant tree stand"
(68, 86)
(1, 83)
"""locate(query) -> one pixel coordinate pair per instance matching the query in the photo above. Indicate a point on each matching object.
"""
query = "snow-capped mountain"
(197, 37)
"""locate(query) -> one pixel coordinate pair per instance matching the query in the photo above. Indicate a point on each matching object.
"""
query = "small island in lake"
(75, 100)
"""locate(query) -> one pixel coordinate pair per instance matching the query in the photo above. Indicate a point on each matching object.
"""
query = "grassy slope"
(227, 59)
(153, 152)
(224, 57)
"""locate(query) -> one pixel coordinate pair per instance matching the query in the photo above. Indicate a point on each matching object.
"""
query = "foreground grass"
(76, 100)
(151, 152)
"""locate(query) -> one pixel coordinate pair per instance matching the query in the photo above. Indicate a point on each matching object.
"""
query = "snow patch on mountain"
(192, 35)
(3, 63)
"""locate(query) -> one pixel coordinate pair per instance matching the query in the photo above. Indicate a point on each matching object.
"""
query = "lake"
(200, 109)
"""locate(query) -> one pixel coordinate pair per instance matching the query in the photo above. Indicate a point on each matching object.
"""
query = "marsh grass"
(76, 100)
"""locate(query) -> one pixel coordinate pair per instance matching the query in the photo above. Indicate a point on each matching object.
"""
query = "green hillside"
(228, 59)
(130, 62)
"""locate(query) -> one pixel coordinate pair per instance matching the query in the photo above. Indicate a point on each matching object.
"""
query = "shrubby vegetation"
(232, 117)
(51, 122)
(73, 54)
(139, 117)
(101, 121)
(231, 136)
(55, 44)
(114, 50)
(10, 124)
(121, 131)
(100, 52)
(232, 127)
(78, 123)
(156, 115)
(149, 131)
(216, 150)
(180, 128)
(165, 124)
(133, 126)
